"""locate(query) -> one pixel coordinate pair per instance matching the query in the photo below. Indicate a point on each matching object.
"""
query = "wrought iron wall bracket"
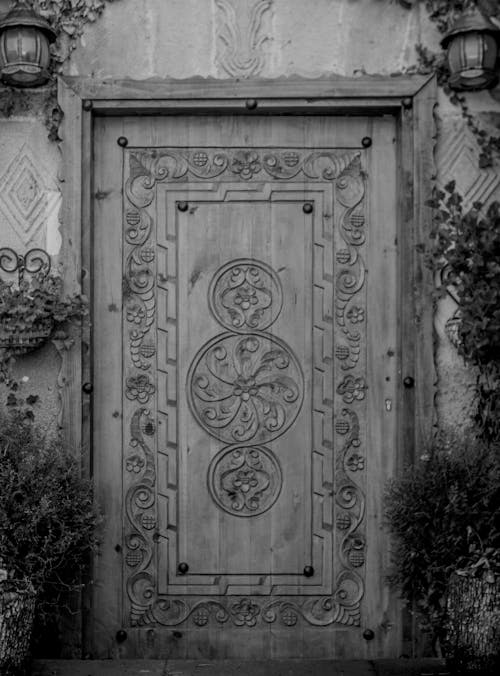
(33, 262)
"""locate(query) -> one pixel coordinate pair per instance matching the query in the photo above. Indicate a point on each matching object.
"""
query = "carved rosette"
(245, 388)
(245, 481)
(246, 295)
(246, 298)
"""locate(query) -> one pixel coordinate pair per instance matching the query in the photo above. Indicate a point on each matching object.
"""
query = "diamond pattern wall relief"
(28, 195)
(457, 159)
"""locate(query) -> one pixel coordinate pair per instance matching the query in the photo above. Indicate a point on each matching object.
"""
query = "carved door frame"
(410, 100)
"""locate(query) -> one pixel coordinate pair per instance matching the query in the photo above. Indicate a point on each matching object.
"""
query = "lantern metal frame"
(23, 71)
(481, 75)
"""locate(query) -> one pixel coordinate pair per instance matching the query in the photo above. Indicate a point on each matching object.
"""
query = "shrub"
(47, 516)
(444, 515)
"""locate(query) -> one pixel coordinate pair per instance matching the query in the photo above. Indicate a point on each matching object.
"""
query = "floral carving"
(352, 388)
(139, 387)
(356, 314)
(245, 388)
(246, 295)
(136, 313)
(355, 462)
(246, 163)
(135, 464)
(245, 481)
(245, 612)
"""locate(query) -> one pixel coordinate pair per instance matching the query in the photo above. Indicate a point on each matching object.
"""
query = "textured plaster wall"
(241, 38)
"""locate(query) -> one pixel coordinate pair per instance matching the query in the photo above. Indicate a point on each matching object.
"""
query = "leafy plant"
(36, 305)
(467, 249)
(68, 18)
(443, 512)
(48, 520)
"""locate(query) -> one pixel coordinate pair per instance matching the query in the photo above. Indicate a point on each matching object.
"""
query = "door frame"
(409, 99)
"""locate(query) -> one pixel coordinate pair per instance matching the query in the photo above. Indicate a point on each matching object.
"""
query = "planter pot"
(19, 342)
(472, 642)
(17, 610)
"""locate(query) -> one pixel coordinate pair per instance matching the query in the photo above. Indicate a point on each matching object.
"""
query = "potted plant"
(32, 306)
(48, 528)
(443, 513)
(472, 630)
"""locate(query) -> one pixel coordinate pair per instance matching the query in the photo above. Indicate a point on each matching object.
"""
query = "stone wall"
(234, 38)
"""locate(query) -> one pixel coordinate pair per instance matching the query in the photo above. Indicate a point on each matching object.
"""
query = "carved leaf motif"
(242, 36)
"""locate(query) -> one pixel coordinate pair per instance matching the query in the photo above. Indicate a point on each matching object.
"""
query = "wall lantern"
(472, 44)
(24, 47)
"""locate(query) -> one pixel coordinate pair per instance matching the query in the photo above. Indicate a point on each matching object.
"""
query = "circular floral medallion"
(245, 388)
(245, 295)
(244, 481)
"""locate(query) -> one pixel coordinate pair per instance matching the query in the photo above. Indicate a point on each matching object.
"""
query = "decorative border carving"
(147, 168)
(350, 311)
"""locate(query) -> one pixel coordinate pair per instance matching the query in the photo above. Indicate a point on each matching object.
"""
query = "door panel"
(245, 413)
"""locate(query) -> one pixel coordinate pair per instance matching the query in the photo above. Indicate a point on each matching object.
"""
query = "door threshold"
(284, 667)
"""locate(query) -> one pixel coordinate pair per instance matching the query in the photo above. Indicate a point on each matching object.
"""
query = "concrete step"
(428, 667)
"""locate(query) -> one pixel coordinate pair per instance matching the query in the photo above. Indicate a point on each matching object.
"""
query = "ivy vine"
(467, 251)
(68, 18)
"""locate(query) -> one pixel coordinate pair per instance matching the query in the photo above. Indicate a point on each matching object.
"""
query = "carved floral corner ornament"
(241, 36)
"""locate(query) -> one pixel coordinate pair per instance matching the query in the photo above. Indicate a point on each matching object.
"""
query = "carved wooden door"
(245, 362)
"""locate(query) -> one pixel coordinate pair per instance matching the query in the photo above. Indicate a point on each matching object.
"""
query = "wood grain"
(391, 437)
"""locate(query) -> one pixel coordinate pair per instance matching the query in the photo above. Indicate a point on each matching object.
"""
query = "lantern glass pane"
(24, 56)
(472, 58)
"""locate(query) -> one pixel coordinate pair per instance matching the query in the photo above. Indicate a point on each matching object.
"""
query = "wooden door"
(245, 367)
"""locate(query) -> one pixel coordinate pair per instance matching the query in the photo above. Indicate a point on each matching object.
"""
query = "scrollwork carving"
(139, 503)
(349, 315)
(149, 167)
(343, 607)
(350, 279)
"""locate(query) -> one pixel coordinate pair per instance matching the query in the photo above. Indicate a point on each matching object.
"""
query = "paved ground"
(235, 668)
